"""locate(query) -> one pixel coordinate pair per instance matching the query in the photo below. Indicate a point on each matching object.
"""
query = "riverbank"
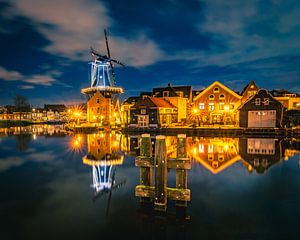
(23, 123)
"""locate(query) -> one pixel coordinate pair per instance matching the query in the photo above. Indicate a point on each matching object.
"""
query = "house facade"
(179, 96)
(217, 104)
(100, 110)
(153, 112)
(261, 110)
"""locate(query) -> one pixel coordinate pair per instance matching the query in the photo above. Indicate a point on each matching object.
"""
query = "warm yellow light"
(226, 107)
(34, 136)
(101, 116)
(194, 150)
(77, 113)
(226, 147)
(195, 110)
(115, 114)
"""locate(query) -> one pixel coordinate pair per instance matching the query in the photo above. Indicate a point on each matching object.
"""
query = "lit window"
(211, 106)
(201, 106)
(257, 101)
(221, 96)
(211, 96)
(143, 111)
(166, 93)
(216, 89)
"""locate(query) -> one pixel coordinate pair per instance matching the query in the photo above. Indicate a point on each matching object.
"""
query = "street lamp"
(195, 111)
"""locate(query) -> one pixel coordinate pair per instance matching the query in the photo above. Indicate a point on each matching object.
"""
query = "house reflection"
(215, 154)
(131, 145)
(261, 153)
(103, 156)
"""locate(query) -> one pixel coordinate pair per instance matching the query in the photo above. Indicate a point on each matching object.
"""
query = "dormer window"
(222, 96)
(211, 97)
(165, 93)
(216, 90)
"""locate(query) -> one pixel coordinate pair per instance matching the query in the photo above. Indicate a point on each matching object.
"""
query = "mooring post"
(181, 174)
(145, 171)
(160, 161)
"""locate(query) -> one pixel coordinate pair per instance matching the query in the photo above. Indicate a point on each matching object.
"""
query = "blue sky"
(45, 45)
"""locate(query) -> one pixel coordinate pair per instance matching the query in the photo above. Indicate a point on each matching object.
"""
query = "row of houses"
(50, 112)
(214, 105)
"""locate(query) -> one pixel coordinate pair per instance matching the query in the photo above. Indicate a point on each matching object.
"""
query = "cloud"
(46, 79)
(72, 26)
(244, 31)
(16, 161)
(138, 52)
(8, 75)
(39, 79)
(25, 87)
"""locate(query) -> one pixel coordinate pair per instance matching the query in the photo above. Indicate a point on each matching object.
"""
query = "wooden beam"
(160, 159)
(172, 193)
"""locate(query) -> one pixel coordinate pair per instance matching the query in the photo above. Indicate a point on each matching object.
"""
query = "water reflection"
(217, 154)
(103, 156)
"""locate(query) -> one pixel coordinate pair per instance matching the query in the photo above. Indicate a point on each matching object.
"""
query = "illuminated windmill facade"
(102, 95)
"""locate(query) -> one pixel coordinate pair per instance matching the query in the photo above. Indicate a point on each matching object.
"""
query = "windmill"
(102, 79)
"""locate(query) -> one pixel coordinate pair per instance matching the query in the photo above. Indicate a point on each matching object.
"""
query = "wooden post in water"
(181, 174)
(160, 161)
(145, 171)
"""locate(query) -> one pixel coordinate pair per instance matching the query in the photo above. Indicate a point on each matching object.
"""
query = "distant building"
(153, 112)
(216, 104)
(290, 100)
(261, 110)
(55, 112)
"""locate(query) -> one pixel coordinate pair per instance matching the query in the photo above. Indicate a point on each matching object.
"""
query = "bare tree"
(21, 104)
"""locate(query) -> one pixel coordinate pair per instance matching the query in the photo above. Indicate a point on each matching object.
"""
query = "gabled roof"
(161, 102)
(259, 92)
(222, 86)
(252, 83)
(187, 91)
(131, 100)
(154, 102)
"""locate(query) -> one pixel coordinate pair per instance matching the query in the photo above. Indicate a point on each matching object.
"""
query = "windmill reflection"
(103, 156)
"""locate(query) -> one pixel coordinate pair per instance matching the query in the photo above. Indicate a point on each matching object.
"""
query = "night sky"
(45, 45)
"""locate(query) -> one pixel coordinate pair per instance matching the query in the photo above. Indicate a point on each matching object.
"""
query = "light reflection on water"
(57, 185)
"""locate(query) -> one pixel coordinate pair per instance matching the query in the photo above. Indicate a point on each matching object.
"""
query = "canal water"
(56, 185)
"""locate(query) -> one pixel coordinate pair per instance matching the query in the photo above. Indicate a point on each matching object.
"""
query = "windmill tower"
(103, 94)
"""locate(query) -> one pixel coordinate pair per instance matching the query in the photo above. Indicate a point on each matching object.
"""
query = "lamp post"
(196, 115)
